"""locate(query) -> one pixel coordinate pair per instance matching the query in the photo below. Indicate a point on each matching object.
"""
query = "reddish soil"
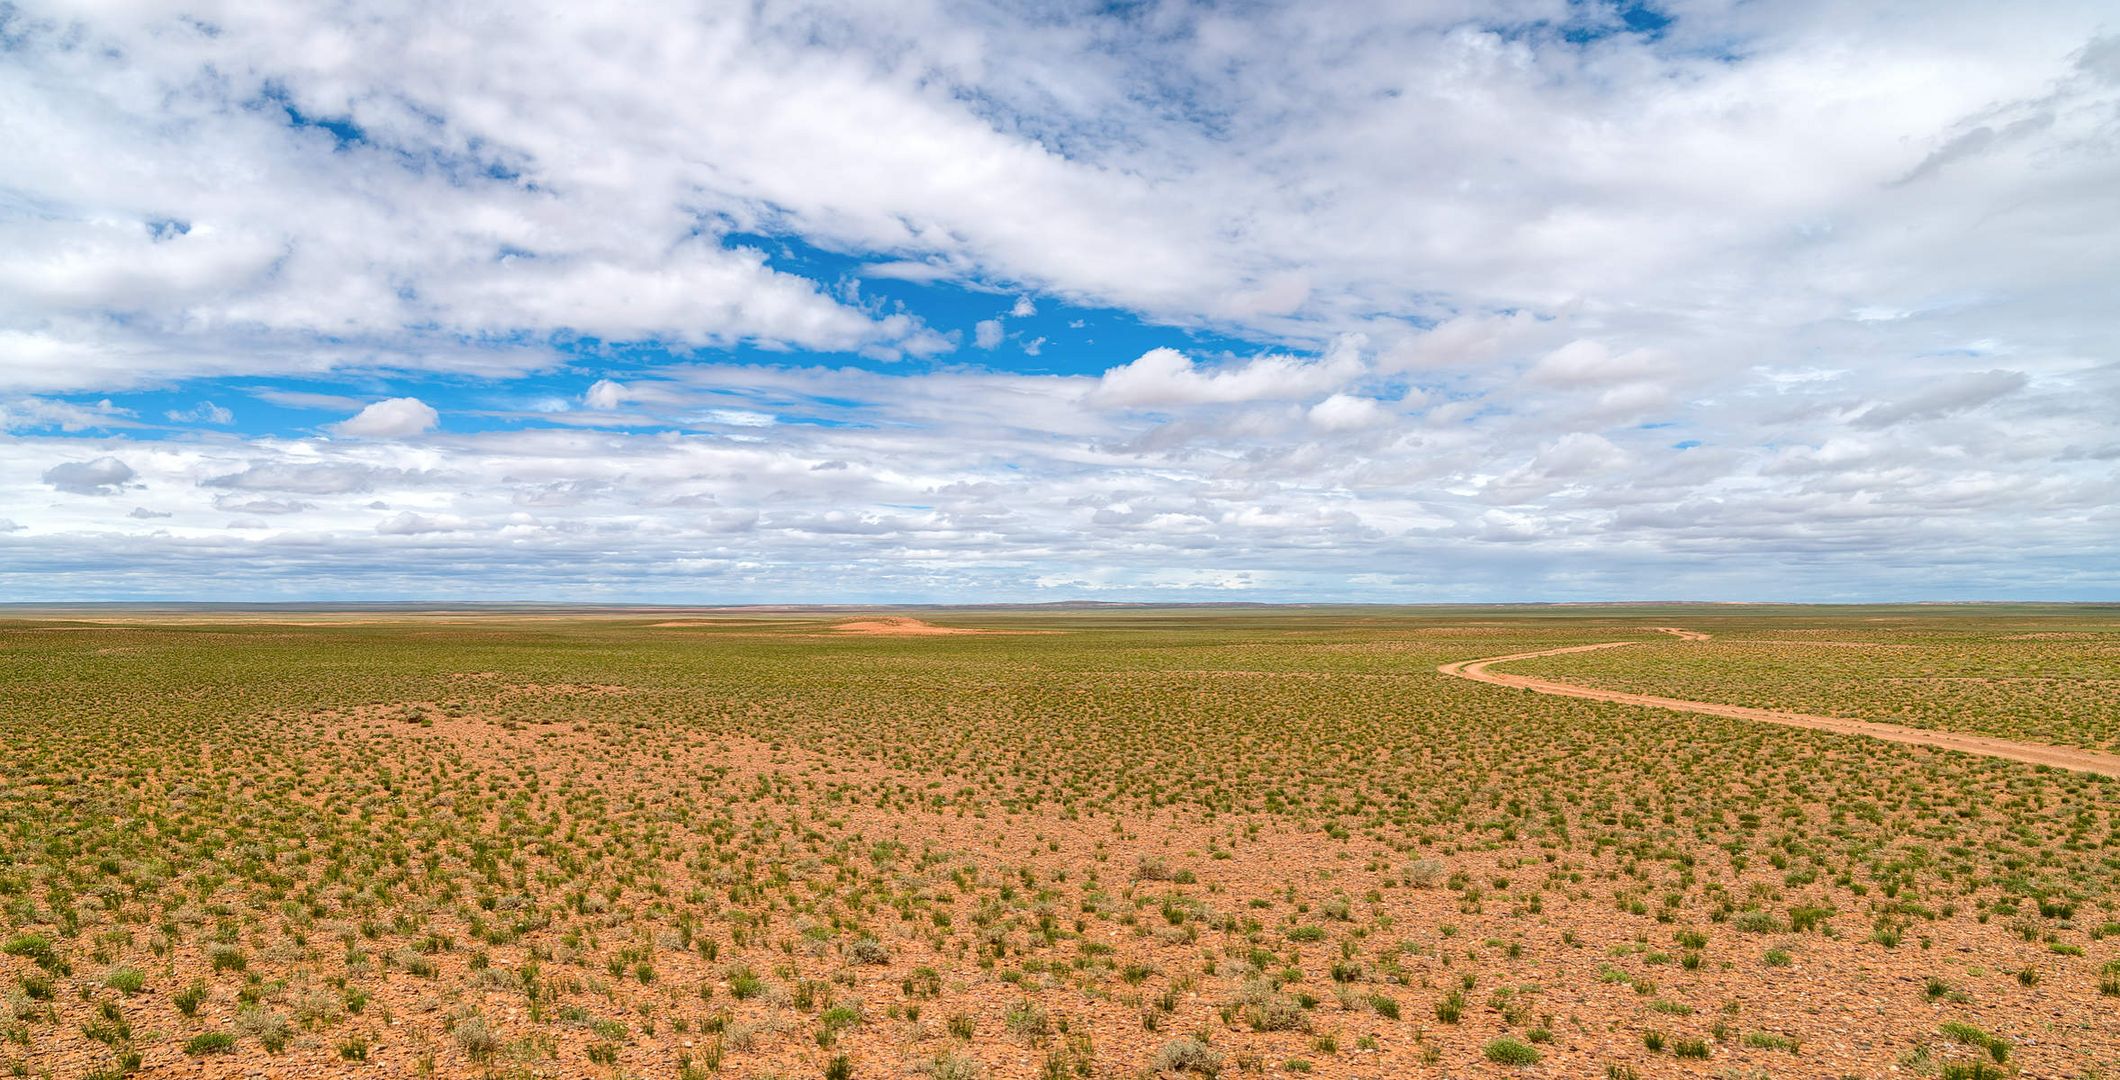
(901, 626)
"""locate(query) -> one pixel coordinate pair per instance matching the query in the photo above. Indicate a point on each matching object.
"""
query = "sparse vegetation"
(1508, 1051)
(551, 847)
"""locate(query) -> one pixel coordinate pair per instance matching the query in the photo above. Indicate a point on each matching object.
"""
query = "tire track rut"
(2060, 757)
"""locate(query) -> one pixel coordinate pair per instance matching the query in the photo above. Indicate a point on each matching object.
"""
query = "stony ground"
(1240, 844)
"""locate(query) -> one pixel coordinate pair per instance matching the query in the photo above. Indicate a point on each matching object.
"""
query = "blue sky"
(951, 302)
(1053, 338)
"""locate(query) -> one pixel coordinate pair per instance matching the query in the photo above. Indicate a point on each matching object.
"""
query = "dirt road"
(2060, 757)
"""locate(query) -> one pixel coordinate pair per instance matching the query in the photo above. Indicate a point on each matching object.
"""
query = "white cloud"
(1944, 397)
(967, 485)
(1858, 264)
(305, 477)
(407, 523)
(29, 413)
(1592, 363)
(1166, 377)
(738, 418)
(102, 476)
(394, 418)
(205, 412)
(240, 505)
(906, 271)
(303, 399)
(696, 294)
(1577, 454)
(1345, 412)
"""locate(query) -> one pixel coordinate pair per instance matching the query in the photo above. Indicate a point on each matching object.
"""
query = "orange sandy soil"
(902, 626)
(1849, 1004)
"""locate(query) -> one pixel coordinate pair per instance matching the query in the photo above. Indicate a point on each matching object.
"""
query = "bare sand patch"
(680, 624)
(904, 626)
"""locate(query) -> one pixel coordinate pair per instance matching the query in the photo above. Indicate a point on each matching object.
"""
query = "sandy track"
(2060, 757)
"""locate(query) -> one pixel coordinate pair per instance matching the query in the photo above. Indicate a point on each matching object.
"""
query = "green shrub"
(36, 948)
(1808, 917)
(1757, 922)
(1451, 1007)
(1961, 1032)
(212, 1042)
(1508, 1051)
(190, 998)
(744, 984)
(1026, 1019)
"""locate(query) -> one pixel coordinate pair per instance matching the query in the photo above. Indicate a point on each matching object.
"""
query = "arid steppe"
(1110, 842)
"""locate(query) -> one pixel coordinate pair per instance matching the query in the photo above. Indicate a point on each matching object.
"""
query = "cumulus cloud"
(1577, 454)
(1748, 302)
(1593, 363)
(394, 418)
(1345, 412)
(1166, 377)
(101, 476)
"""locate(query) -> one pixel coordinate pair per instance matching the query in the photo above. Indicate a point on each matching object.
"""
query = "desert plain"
(1094, 842)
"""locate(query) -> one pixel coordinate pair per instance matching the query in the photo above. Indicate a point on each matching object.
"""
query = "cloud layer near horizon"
(1526, 301)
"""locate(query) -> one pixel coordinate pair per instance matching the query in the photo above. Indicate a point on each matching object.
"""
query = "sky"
(927, 301)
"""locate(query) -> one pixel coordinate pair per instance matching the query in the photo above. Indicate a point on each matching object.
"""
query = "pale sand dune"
(903, 626)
